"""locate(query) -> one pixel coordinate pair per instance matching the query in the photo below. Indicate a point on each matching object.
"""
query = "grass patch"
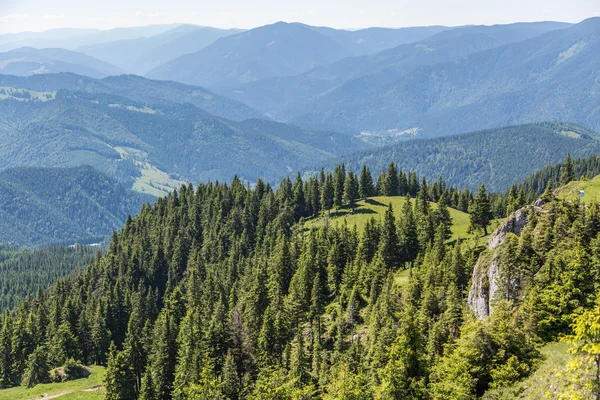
(375, 207)
(70, 390)
(551, 380)
(571, 191)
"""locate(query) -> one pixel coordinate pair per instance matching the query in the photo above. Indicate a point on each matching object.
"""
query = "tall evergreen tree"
(567, 171)
(365, 186)
(481, 212)
(350, 189)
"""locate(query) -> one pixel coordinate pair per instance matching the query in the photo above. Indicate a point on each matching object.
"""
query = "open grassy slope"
(591, 190)
(555, 378)
(89, 388)
(374, 207)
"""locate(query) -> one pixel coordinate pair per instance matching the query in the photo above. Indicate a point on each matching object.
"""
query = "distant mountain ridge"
(332, 88)
(26, 61)
(280, 49)
(138, 89)
(549, 77)
(147, 133)
(140, 55)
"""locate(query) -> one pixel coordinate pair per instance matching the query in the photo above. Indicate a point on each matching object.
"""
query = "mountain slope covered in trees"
(285, 97)
(548, 77)
(217, 291)
(138, 89)
(148, 145)
(62, 205)
(496, 157)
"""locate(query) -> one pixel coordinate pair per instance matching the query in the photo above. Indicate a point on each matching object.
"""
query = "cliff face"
(486, 273)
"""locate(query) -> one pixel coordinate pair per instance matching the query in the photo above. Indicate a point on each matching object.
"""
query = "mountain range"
(553, 76)
(26, 61)
(147, 133)
(280, 49)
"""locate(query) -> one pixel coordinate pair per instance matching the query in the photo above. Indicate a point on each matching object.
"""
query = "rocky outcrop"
(486, 273)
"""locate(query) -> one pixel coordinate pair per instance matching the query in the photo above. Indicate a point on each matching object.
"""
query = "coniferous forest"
(222, 291)
(299, 200)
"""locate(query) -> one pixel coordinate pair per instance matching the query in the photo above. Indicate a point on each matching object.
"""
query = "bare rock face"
(486, 273)
(514, 224)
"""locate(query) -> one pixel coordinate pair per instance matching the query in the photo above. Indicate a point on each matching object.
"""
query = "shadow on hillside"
(374, 202)
(346, 211)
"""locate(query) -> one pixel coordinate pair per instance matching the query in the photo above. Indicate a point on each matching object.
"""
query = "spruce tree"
(567, 174)
(350, 189)
(392, 184)
(388, 244)
(365, 186)
(480, 211)
(120, 379)
(339, 176)
(37, 370)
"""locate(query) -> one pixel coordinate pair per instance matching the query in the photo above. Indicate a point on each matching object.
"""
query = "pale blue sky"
(37, 15)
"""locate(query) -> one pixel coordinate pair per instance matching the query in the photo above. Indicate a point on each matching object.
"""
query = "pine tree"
(327, 194)
(339, 176)
(480, 210)
(443, 215)
(37, 368)
(388, 244)
(567, 174)
(392, 185)
(350, 189)
(512, 203)
(365, 186)
(5, 352)
(299, 198)
(120, 379)
(548, 196)
(408, 235)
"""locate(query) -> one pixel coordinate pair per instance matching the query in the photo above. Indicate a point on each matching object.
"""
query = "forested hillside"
(137, 89)
(547, 77)
(221, 291)
(24, 272)
(288, 96)
(497, 157)
(148, 146)
(62, 205)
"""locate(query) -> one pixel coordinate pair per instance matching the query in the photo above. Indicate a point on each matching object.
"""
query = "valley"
(275, 207)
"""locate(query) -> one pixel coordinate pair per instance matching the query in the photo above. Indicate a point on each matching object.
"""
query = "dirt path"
(54, 396)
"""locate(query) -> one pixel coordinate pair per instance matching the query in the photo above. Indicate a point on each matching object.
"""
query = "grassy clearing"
(80, 389)
(591, 189)
(557, 377)
(153, 181)
(25, 94)
(375, 207)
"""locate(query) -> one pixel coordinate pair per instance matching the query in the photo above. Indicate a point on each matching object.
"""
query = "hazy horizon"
(37, 15)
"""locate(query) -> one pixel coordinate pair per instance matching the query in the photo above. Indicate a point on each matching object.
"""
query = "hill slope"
(496, 157)
(150, 146)
(62, 205)
(140, 55)
(137, 89)
(27, 61)
(551, 76)
(273, 50)
(220, 280)
(287, 97)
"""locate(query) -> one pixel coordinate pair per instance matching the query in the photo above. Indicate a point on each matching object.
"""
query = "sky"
(40, 15)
